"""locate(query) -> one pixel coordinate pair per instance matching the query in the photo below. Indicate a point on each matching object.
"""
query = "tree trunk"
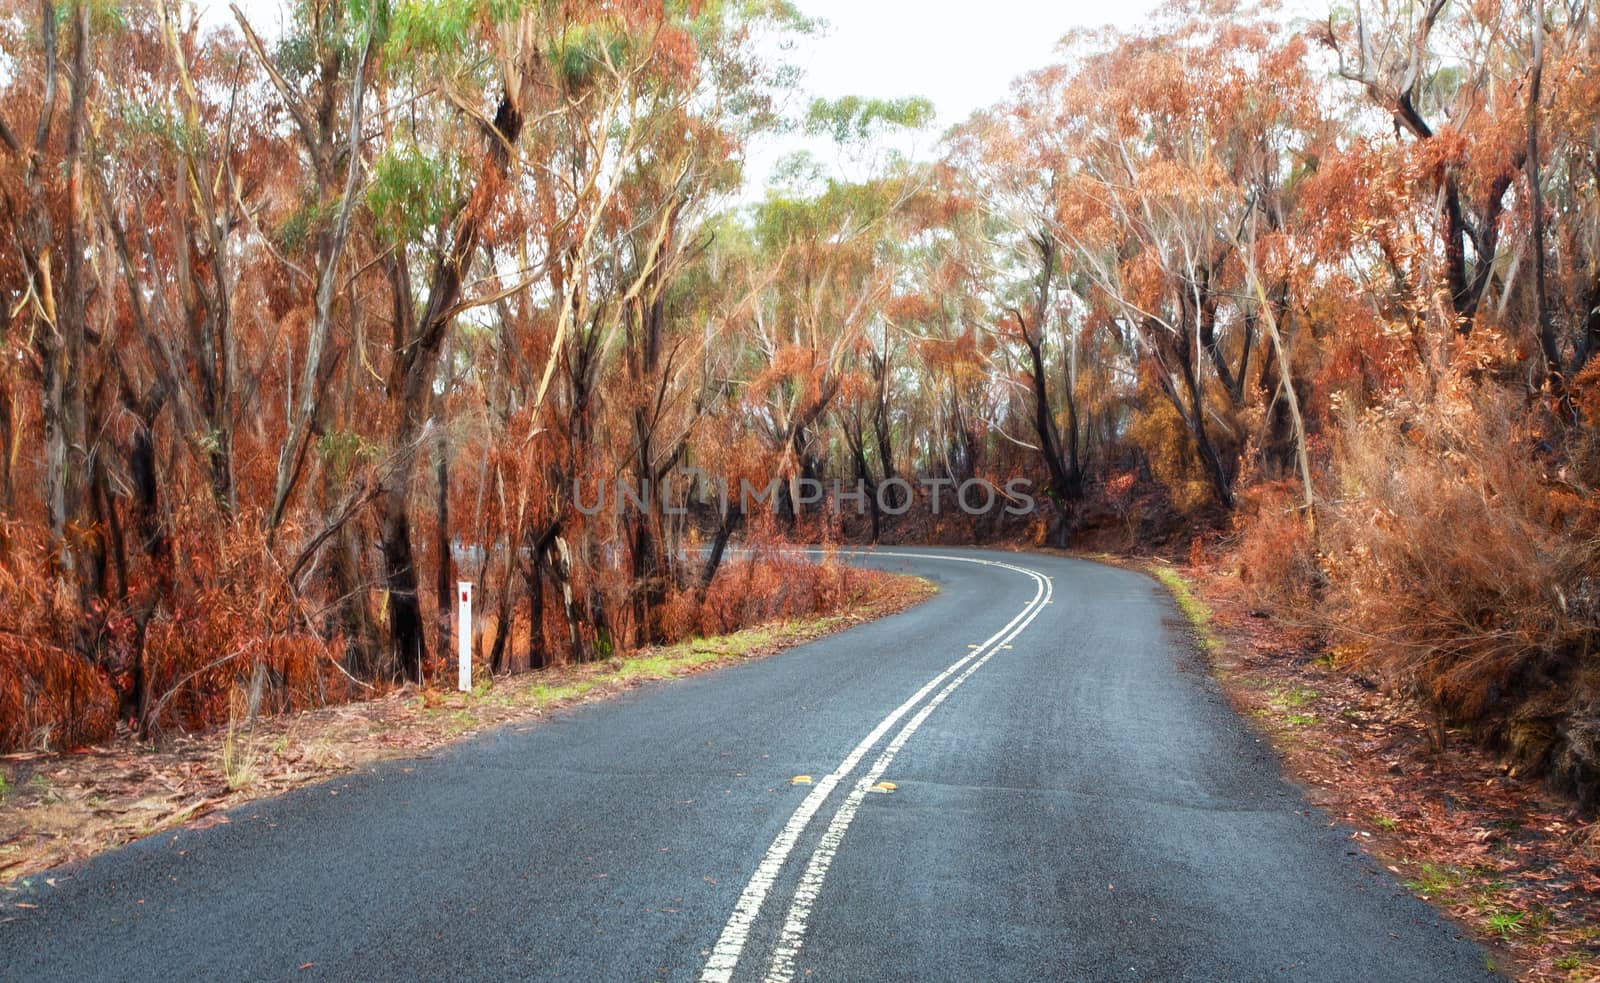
(1221, 485)
(407, 647)
(881, 433)
(719, 546)
(291, 456)
(1292, 400)
(412, 375)
(1541, 302)
(536, 643)
(498, 660)
(444, 581)
(7, 438)
(444, 561)
(858, 453)
(1066, 483)
(62, 348)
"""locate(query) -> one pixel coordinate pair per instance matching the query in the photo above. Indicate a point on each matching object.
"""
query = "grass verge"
(1194, 609)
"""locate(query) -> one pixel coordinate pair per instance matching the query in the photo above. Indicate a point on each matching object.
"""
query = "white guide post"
(464, 637)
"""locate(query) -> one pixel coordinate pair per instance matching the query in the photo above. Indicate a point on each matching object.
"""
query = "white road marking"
(782, 967)
(730, 944)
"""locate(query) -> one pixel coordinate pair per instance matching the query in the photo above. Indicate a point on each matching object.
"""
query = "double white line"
(731, 943)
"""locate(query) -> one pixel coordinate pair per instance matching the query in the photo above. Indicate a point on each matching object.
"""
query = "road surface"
(1027, 777)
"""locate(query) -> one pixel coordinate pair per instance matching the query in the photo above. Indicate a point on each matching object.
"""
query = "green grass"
(1194, 609)
(647, 667)
(1386, 823)
(542, 695)
(1507, 923)
(5, 787)
(665, 663)
(1436, 880)
(240, 757)
(656, 664)
(455, 714)
(1292, 698)
(1483, 891)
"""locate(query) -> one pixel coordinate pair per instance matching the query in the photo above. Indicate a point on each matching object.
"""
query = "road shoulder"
(1509, 862)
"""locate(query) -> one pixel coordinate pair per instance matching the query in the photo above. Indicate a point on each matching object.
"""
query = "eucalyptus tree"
(1172, 171)
(828, 266)
(1014, 159)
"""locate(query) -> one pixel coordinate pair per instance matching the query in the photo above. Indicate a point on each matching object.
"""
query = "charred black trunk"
(731, 520)
(1221, 482)
(407, 646)
(499, 660)
(444, 571)
(536, 642)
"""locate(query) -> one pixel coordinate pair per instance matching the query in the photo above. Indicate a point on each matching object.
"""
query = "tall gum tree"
(1200, 130)
(1015, 158)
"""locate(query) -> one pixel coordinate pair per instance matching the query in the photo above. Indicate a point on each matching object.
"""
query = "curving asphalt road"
(1025, 778)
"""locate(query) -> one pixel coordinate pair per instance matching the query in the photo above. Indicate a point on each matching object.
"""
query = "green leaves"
(343, 449)
(105, 16)
(442, 27)
(856, 119)
(154, 121)
(584, 51)
(339, 26)
(295, 232)
(429, 26)
(411, 191)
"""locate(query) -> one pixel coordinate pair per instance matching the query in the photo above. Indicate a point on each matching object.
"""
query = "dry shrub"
(231, 621)
(173, 644)
(1276, 557)
(51, 697)
(195, 665)
(1157, 429)
(771, 585)
(680, 616)
(1465, 567)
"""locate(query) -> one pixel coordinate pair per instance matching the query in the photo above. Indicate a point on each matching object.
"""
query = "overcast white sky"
(962, 55)
(959, 54)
